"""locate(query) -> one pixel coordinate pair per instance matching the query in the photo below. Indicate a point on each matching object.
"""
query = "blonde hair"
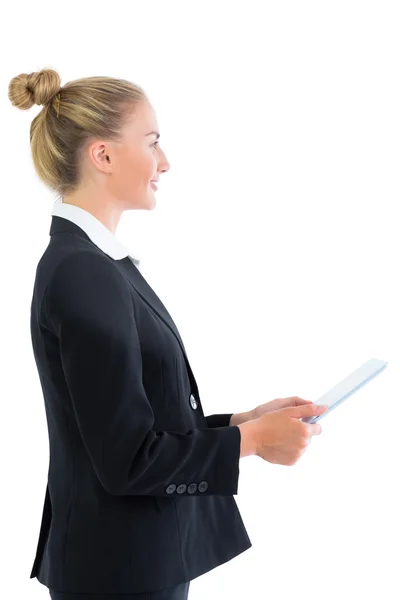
(72, 116)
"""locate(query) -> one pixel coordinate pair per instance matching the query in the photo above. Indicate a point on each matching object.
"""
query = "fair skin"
(261, 409)
(116, 175)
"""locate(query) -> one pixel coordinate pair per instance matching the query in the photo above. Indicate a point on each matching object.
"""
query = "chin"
(147, 203)
(153, 203)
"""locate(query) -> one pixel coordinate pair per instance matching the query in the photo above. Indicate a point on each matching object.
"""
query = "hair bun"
(39, 87)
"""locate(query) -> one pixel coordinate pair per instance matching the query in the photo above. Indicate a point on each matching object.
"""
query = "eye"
(153, 145)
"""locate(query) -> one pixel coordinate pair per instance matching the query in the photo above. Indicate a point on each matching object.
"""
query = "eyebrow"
(153, 132)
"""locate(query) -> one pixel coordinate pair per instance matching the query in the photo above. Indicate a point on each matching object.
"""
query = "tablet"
(348, 386)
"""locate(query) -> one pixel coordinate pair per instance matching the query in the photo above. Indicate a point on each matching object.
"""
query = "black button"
(171, 488)
(203, 485)
(192, 488)
(181, 488)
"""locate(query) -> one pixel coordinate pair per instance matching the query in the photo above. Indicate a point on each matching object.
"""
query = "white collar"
(94, 229)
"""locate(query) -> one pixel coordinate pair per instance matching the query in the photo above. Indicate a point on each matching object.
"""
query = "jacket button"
(193, 402)
(192, 488)
(203, 485)
(171, 488)
(181, 488)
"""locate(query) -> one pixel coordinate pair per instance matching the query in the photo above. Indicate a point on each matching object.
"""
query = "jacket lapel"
(136, 279)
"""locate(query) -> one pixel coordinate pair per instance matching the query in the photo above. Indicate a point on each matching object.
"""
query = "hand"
(280, 435)
(277, 404)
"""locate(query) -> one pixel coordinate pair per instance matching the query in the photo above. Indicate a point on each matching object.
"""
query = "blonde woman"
(139, 499)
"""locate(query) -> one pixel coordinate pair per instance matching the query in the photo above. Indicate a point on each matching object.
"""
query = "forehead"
(142, 119)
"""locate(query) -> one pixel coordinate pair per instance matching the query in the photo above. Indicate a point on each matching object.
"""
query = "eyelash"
(154, 144)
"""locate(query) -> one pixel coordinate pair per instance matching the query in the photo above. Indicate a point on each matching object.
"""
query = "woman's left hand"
(277, 404)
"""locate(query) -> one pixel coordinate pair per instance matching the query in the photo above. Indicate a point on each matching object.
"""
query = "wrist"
(243, 417)
(248, 439)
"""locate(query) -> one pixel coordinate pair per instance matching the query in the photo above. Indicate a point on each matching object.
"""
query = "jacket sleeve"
(221, 420)
(90, 307)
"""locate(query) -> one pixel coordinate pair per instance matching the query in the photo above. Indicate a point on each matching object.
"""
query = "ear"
(99, 155)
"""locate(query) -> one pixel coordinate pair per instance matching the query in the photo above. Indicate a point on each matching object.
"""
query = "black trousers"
(179, 592)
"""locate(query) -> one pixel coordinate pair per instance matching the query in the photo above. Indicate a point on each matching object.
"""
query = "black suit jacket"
(140, 484)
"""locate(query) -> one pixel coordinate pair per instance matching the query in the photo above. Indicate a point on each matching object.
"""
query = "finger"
(307, 410)
(314, 429)
(300, 401)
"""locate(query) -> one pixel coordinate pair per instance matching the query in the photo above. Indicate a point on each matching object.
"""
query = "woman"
(139, 499)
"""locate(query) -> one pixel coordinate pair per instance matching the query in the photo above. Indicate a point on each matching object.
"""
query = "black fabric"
(140, 487)
(178, 592)
(219, 420)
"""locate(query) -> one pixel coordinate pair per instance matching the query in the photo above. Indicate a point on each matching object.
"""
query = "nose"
(163, 165)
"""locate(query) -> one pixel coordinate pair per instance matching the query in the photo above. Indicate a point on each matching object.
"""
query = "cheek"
(150, 164)
(137, 168)
(144, 165)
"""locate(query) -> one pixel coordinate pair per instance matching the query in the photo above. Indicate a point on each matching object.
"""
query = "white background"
(274, 245)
